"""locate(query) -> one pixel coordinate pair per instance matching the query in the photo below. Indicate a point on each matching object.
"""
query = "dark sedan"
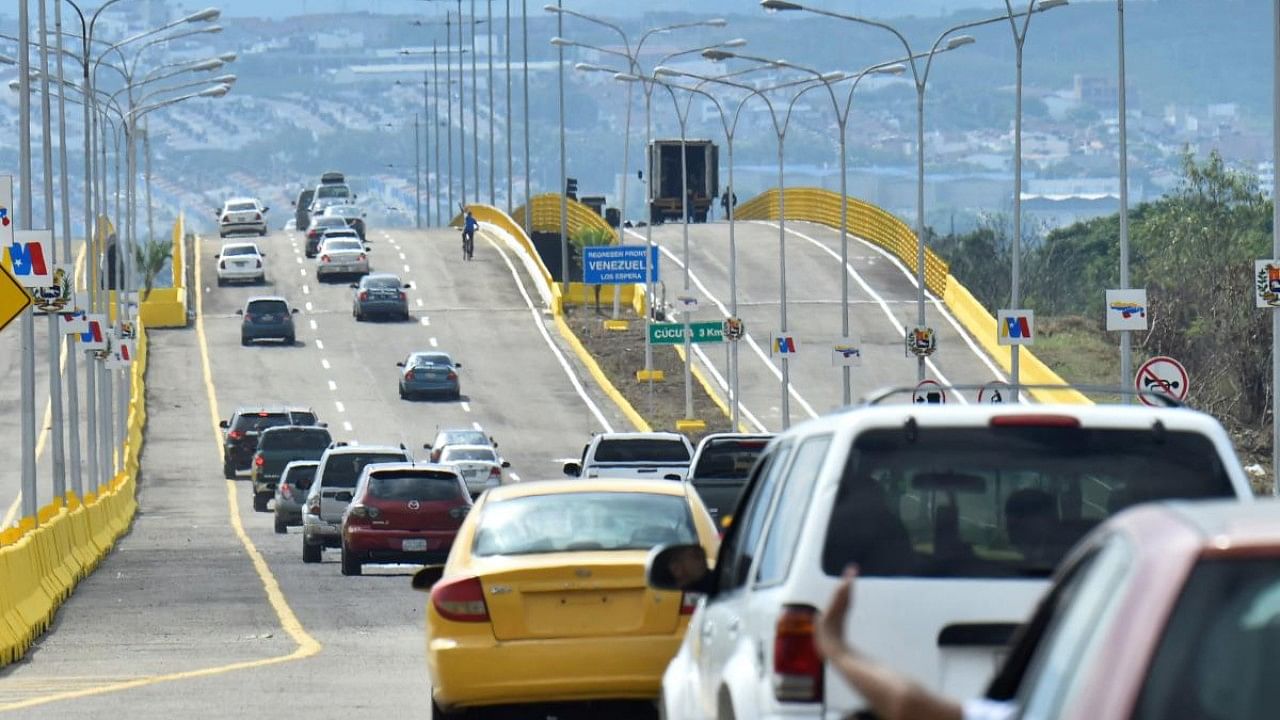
(352, 215)
(429, 373)
(380, 294)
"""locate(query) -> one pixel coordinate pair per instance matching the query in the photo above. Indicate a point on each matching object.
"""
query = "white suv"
(956, 517)
(331, 490)
(242, 215)
(241, 262)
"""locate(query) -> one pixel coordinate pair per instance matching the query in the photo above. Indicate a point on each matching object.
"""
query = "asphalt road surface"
(882, 300)
(202, 611)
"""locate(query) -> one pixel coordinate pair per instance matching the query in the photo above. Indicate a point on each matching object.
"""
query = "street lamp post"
(510, 160)
(1126, 339)
(524, 48)
(28, 329)
(493, 199)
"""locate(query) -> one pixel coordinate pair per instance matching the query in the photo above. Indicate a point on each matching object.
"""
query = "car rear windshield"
(455, 455)
(1001, 502)
(342, 211)
(1217, 656)
(642, 451)
(269, 307)
(727, 459)
(346, 245)
(259, 421)
(464, 437)
(241, 206)
(239, 250)
(422, 485)
(329, 221)
(438, 360)
(295, 439)
(382, 283)
(583, 522)
(343, 469)
(332, 191)
(301, 476)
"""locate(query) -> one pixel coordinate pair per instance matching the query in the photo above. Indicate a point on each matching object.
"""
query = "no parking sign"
(1161, 375)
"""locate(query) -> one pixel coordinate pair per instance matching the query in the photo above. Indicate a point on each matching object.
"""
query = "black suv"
(241, 440)
(301, 213)
(277, 447)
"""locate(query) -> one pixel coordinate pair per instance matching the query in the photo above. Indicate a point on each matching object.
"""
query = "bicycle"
(468, 244)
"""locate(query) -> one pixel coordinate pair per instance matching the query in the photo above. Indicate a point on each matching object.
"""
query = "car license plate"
(468, 474)
(413, 545)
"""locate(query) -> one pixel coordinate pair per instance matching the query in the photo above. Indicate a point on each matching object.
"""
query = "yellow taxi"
(543, 596)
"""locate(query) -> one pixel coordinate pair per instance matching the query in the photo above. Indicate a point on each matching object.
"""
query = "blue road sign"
(616, 264)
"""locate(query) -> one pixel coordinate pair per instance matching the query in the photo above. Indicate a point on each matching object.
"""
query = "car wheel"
(350, 563)
(222, 283)
(311, 553)
(438, 713)
(281, 526)
(245, 341)
(405, 316)
(228, 471)
(403, 395)
(263, 232)
(290, 340)
(260, 501)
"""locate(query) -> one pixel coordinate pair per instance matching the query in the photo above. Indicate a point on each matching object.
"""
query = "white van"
(956, 517)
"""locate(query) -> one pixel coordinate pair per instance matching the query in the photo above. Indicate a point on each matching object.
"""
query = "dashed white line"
(313, 324)
(425, 322)
(338, 404)
(402, 256)
(419, 301)
(406, 268)
(333, 385)
(308, 306)
(346, 426)
(466, 406)
(299, 260)
(476, 425)
(306, 290)
(433, 342)
(319, 344)
(514, 477)
(325, 363)
(302, 271)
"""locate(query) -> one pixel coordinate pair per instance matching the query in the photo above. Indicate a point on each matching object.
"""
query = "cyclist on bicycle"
(469, 227)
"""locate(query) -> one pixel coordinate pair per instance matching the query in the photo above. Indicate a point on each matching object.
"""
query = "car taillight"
(460, 600)
(259, 461)
(361, 258)
(248, 317)
(459, 512)
(797, 667)
(324, 258)
(235, 434)
(453, 375)
(364, 512)
(313, 505)
(257, 216)
(689, 602)
(1035, 420)
(364, 295)
(408, 375)
(286, 491)
(403, 296)
(257, 263)
(495, 473)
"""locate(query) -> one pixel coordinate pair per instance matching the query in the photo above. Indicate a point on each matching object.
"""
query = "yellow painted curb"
(691, 425)
(616, 324)
(648, 375)
(601, 379)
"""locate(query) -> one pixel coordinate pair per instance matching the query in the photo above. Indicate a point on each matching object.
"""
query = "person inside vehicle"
(890, 695)
(1033, 526)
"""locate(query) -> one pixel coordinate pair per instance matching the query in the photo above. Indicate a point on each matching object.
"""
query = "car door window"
(739, 548)
(790, 508)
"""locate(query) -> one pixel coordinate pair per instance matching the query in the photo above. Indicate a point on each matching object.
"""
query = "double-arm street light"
(920, 75)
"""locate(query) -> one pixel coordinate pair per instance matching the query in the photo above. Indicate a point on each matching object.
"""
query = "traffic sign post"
(847, 353)
(929, 392)
(1161, 375)
(13, 298)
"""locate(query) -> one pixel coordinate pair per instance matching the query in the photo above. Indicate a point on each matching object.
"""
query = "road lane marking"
(433, 342)
(303, 271)
(307, 645)
(724, 388)
(325, 363)
(419, 301)
(406, 268)
(346, 426)
(306, 290)
(755, 346)
(514, 477)
(476, 425)
(313, 324)
(536, 314)
(308, 306)
(299, 260)
(466, 406)
(338, 404)
(333, 385)
(319, 344)
(402, 256)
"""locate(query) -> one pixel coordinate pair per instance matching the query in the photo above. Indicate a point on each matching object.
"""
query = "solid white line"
(537, 321)
(313, 324)
(466, 406)
(319, 344)
(433, 342)
(346, 426)
(893, 320)
(338, 404)
(333, 385)
(476, 425)
(755, 346)
(308, 306)
(325, 363)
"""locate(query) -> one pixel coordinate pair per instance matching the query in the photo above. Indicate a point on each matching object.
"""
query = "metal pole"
(733, 292)
(73, 388)
(1275, 248)
(684, 228)
(426, 140)
(564, 190)
(1015, 292)
(27, 392)
(435, 123)
(56, 429)
(622, 205)
(648, 231)
(475, 105)
(510, 159)
(920, 219)
(1126, 349)
(448, 91)
(462, 104)
(846, 375)
(524, 47)
(91, 260)
(782, 270)
(146, 157)
(493, 199)
(417, 175)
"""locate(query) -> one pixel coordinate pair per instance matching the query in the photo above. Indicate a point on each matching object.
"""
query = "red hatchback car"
(403, 513)
(1169, 610)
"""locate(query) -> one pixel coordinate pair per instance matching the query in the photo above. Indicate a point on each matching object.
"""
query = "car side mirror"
(224, 424)
(294, 311)
(293, 203)
(240, 312)
(355, 286)
(400, 364)
(217, 255)
(408, 286)
(265, 209)
(573, 468)
(427, 577)
(368, 249)
(676, 567)
(506, 464)
(425, 446)
(458, 365)
(343, 497)
(261, 254)
(320, 424)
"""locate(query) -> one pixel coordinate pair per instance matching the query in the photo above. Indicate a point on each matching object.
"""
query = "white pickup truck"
(633, 455)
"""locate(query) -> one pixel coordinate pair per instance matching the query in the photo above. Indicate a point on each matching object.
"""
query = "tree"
(151, 259)
(589, 237)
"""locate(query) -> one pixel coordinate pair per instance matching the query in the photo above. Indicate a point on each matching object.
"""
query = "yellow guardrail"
(881, 228)
(41, 564)
(167, 307)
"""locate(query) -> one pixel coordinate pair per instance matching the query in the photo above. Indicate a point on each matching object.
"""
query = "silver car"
(331, 491)
(479, 465)
(291, 493)
(379, 294)
(342, 253)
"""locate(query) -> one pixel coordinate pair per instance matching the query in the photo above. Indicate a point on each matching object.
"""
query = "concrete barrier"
(42, 563)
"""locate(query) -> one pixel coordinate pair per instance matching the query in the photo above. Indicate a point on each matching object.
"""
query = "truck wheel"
(311, 553)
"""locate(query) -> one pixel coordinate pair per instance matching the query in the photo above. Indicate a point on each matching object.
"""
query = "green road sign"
(673, 333)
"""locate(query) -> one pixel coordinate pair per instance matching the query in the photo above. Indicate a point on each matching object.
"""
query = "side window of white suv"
(791, 507)
(740, 546)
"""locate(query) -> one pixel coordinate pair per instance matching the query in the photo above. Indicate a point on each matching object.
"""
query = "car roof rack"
(880, 396)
